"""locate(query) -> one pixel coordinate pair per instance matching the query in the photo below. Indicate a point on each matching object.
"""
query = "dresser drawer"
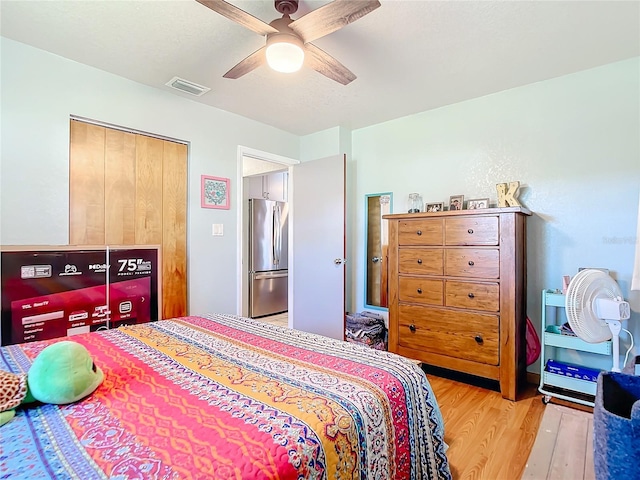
(426, 231)
(472, 262)
(472, 231)
(472, 295)
(421, 261)
(420, 290)
(472, 336)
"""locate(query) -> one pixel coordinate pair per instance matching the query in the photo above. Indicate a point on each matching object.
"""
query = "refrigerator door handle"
(268, 275)
(274, 258)
(278, 215)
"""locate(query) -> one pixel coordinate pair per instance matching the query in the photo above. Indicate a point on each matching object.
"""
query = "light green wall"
(574, 144)
(40, 91)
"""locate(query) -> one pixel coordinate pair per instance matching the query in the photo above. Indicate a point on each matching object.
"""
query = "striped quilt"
(224, 397)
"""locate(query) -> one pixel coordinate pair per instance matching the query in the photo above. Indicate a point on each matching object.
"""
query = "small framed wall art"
(477, 203)
(215, 192)
(434, 207)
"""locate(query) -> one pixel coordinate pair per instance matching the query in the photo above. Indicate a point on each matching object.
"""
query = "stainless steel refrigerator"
(268, 254)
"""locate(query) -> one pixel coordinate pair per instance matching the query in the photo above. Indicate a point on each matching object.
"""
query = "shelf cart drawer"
(569, 383)
(567, 341)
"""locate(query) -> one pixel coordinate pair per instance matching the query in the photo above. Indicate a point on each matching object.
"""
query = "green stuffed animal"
(62, 373)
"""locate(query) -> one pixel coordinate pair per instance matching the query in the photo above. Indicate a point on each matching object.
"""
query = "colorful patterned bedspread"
(223, 397)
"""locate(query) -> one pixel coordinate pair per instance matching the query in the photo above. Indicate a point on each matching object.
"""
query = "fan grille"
(587, 286)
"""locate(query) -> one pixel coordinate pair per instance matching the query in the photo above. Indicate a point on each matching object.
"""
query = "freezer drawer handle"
(268, 276)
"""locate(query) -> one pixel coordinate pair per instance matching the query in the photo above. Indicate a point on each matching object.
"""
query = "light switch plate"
(218, 230)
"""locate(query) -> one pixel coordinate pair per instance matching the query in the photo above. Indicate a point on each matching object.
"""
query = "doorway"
(317, 240)
(265, 178)
(267, 205)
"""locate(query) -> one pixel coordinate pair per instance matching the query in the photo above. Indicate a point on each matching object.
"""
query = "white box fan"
(595, 309)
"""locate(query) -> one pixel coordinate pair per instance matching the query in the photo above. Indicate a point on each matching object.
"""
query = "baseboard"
(533, 378)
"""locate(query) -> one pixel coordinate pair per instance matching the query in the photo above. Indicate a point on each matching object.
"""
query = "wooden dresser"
(457, 291)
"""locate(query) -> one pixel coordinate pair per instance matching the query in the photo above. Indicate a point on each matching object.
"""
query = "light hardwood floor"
(564, 446)
(489, 437)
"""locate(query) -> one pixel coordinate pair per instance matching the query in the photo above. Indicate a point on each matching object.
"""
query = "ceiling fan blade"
(331, 17)
(253, 61)
(239, 16)
(323, 63)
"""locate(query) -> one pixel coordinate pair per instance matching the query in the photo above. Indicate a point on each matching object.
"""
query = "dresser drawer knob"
(419, 232)
(419, 290)
(478, 340)
(412, 327)
(471, 263)
(420, 261)
(471, 295)
(470, 230)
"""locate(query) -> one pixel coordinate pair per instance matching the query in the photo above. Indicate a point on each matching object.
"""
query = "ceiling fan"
(288, 43)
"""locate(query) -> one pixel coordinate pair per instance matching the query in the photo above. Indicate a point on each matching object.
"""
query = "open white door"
(318, 232)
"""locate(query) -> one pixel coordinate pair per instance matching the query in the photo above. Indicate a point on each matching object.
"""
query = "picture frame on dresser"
(477, 203)
(456, 202)
(434, 207)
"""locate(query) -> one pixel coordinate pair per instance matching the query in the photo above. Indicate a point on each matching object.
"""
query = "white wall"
(40, 91)
(574, 144)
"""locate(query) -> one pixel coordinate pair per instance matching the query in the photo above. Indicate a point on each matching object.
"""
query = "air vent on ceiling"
(187, 87)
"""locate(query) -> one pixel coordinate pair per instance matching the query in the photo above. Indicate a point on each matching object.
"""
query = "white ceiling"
(409, 56)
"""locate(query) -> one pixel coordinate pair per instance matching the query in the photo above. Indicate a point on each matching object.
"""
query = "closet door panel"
(174, 221)
(148, 204)
(131, 189)
(120, 188)
(86, 184)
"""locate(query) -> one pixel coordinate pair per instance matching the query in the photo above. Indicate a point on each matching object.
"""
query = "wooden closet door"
(131, 189)
(174, 230)
(148, 206)
(86, 184)
(120, 187)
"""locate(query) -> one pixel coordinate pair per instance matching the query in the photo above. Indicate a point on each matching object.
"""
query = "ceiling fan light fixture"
(284, 52)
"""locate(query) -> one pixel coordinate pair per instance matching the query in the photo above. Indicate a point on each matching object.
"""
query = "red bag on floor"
(533, 343)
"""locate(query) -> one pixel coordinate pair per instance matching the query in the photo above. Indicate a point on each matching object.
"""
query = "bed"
(225, 397)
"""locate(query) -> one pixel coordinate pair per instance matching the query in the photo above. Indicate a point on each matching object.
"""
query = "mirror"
(377, 238)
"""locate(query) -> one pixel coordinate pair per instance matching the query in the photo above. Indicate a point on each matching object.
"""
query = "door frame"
(242, 280)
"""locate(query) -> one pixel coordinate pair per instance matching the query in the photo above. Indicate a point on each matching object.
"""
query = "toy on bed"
(62, 373)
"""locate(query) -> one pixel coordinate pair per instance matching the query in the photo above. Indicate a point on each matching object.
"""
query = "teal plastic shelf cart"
(559, 386)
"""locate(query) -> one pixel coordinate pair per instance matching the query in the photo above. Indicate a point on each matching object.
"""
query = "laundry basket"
(616, 427)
